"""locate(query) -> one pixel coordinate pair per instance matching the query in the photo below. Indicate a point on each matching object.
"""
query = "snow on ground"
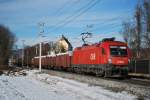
(40, 86)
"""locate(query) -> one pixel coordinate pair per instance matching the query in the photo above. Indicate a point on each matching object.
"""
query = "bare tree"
(137, 32)
(132, 32)
(7, 40)
(138, 35)
(128, 33)
(146, 15)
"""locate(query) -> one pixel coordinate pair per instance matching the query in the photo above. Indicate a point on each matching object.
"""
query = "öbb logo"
(92, 56)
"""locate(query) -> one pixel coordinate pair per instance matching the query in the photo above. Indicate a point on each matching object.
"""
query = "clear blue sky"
(68, 17)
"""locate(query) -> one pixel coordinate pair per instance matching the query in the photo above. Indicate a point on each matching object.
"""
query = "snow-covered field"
(40, 86)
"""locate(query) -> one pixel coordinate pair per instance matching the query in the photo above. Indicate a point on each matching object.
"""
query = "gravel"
(142, 91)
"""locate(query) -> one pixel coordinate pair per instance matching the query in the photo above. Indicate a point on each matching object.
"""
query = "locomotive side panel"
(87, 56)
(104, 54)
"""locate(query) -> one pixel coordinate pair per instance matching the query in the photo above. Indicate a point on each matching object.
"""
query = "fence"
(140, 66)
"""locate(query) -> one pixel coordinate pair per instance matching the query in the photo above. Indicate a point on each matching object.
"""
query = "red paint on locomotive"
(102, 53)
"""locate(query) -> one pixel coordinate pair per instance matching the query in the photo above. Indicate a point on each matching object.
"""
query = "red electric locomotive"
(107, 58)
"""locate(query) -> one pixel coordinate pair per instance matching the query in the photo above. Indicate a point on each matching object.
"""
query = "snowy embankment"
(35, 86)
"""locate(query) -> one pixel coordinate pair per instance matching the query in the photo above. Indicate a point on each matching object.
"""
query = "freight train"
(107, 58)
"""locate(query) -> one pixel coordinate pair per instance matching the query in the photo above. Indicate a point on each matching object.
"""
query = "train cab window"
(103, 51)
(118, 50)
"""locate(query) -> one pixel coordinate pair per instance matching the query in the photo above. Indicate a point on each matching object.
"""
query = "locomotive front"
(118, 58)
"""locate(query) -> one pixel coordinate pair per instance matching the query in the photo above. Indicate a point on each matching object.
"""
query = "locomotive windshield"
(118, 50)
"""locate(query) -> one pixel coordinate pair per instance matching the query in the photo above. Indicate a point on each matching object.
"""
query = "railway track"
(131, 80)
(139, 87)
(143, 82)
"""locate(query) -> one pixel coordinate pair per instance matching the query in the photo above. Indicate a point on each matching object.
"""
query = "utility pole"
(23, 52)
(27, 58)
(41, 25)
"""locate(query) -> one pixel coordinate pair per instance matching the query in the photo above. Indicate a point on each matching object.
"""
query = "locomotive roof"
(102, 43)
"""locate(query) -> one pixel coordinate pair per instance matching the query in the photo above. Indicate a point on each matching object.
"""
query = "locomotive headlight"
(109, 60)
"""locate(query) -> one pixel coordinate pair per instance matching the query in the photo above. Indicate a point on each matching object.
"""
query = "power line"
(80, 11)
(106, 25)
(67, 4)
(79, 14)
(61, 7)
(74, 17)
(107, 22)
(57, 11)
(78, 40)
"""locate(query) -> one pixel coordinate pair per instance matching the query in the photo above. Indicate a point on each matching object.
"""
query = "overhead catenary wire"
(113, 27)
(57, 12)
(107, 22)
(66, 5)
(81, 13)
(72, 17)
(76, 16)
(78, 10)
(104, 23)
(60, 9)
